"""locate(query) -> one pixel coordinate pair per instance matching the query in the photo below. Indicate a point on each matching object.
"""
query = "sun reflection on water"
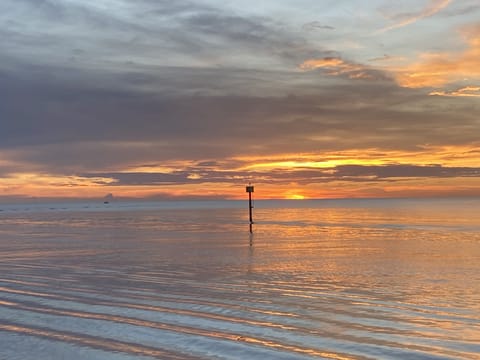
(345, 281)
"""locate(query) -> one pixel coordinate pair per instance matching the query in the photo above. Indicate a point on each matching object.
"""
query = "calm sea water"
(356, 279)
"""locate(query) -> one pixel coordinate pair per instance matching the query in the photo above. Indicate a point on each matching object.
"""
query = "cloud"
(468, 91)
(304, 176)
(67, 129)
(404, 170)
(404, 19)
(462, 8)
(316, 25)
(387, 58)
(440, 69)
(183, 34)
(335, 66)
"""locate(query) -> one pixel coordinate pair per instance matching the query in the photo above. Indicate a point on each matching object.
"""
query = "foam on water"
(318, 279)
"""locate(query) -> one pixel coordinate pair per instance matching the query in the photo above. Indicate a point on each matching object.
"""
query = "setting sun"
(294, 194)
(296, 197)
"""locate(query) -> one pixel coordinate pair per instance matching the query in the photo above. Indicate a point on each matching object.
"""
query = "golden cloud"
(437, 70)
(466, 155)
(336, 67)
(468, 91)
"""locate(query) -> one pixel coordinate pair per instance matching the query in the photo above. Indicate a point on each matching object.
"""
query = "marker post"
(249, 190)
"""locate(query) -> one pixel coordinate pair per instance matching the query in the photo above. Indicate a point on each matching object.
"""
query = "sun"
(295, 197)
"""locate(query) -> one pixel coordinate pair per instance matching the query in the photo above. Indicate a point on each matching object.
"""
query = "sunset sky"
(191, 99)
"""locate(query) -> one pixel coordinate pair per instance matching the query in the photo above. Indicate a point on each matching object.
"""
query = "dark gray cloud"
(404, 170)
(90, 123)
(167, 33)
(348, 173)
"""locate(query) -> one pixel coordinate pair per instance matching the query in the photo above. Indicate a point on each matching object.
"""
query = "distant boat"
(106, 202)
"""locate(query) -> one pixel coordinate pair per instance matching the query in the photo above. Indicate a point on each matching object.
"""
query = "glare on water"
(358, 279)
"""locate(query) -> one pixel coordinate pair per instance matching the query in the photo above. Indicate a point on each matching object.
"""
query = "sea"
(316, 279)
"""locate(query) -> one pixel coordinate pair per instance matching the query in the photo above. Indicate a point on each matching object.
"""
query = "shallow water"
(379, 279)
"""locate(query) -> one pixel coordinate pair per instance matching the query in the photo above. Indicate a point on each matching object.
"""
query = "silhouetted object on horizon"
(249, 190)
(107, 198)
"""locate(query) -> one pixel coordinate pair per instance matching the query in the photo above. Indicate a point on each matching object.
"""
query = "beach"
(317, 279)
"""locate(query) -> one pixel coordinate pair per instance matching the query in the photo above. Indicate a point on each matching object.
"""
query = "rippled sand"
(353, 280)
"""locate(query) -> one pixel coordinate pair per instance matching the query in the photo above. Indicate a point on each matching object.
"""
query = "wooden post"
(249, 189)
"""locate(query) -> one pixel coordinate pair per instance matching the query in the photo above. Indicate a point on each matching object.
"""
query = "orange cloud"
(453, 155)
(437, 70)
(434, 7)
(38, 184)
(349, 173)
(468, 91)
(336, 66)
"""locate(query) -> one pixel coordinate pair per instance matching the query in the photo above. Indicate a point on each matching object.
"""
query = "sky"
(194, 99)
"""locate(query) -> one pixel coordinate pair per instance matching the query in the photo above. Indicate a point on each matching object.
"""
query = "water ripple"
(104, 288)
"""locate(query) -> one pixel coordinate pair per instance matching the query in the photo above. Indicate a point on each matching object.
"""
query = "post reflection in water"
(347, 280)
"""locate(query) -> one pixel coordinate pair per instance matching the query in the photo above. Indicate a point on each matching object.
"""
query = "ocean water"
(336, 279)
